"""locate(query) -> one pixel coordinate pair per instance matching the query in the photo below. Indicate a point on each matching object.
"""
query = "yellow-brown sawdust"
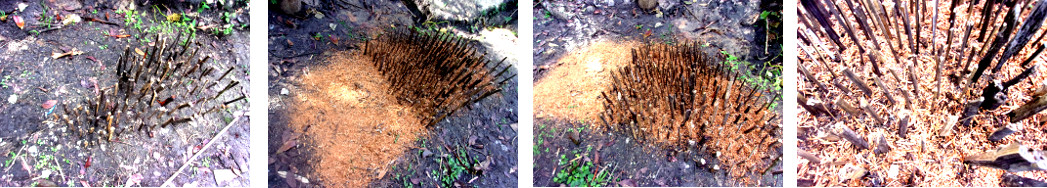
(933, 151)
(571, 90)
(356, 126)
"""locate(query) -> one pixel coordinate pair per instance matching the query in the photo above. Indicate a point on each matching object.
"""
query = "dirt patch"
(357, 126)
(573, 88)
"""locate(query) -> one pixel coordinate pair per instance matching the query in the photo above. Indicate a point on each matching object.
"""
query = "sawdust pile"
(572, 89)
(355, 123)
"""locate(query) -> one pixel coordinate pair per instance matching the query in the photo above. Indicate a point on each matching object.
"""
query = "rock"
(70, 19)
(291, 6)
(610, 3)
(426, 153)
(223, 176)
(125, 5)
(68, 5)
(500, 43)
(22, 6)
(46, 173)
(12, 99)
(456, 10)
(284, 91)
(647, 5)
(667, 4)
(559, 12)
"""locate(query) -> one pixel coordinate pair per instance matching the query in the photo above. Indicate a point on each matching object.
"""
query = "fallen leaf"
(70, 53)
(174, 17)
(49, 104)
(287, 146)
(484, 166)
(647, 34)
(289, 42)
(19, 22)
(120, 36)
(333, 39)
(133, 180)
(139, 52)
(627, 183)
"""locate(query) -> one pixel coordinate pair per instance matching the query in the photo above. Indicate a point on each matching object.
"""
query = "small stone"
(222, 176)
(12, 99)
(659, 24)
(32, 150)
(290, 6)
(284, 91)
(45, 174)
(893, 172)
(647, 5)
(426, 153)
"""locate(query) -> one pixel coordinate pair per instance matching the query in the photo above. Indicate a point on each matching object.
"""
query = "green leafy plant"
(580, 174)
(452, 168)
(769, 79)
(203, 5)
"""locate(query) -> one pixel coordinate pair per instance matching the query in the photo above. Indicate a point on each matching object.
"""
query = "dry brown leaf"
(70, 53)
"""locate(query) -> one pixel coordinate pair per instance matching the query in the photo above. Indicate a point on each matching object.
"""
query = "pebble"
(284, 91)
(893, 172)
(12, 99)
(32, 150)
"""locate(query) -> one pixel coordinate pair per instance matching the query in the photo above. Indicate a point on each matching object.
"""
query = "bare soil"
(39, 150)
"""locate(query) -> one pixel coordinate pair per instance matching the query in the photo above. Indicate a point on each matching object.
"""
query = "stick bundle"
(673, 97)
(436, 74)
(168, 86)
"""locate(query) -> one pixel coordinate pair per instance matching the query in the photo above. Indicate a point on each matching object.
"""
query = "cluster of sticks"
(435, 73)
(674, 97)
(167, 86)
(900, 27)
(874, 16)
